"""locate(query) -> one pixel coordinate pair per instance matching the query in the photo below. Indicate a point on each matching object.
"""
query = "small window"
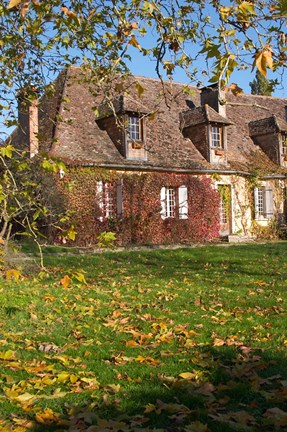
(174, 202)
(284, 144)
(170, 202)
(263, 200)
(105, 200)
(109, 200)
(135, 131)
(216, 136)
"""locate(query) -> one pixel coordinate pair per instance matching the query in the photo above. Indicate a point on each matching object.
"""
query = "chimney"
(214, 96)
(28, 119)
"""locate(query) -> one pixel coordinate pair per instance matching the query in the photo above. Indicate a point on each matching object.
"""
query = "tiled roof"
(201, 115)
(78, 139)
(267, 125)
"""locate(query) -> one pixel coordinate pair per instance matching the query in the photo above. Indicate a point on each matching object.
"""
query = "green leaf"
(7, 151)
(247, 7)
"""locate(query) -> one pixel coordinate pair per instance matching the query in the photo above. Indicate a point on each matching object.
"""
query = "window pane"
(182, 202)
(105, 200)
(216, 136)
(108, 201)
(260, 202)
(170, 202)
(134, 128)
(284, 144)
(222, 211)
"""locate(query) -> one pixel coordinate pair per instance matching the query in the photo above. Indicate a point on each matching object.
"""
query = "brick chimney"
(28, 119)
(214, 96)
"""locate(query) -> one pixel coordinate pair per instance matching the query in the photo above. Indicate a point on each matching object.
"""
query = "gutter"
(274, 176)
(173, 170)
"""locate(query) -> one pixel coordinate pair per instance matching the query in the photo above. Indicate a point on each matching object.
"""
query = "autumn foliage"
(141, 222)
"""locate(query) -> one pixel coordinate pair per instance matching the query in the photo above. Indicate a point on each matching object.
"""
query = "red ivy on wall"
(141, 222)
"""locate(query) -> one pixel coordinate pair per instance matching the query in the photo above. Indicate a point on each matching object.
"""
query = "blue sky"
(242, 78)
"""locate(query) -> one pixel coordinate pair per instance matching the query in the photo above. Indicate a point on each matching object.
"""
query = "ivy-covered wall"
(141, 222)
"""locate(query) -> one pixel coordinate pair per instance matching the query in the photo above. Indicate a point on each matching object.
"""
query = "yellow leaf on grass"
(66, 281)
(23, 422)
(196, 426)
(47, 417)
(115, 387)
(148, 360)
(13, 274)
(132, 343)
(149, 408)
(218, 342)
(58, 393)
(25, 398)
(187, 375)
(73, 378)
(63, 377)
(8, 355)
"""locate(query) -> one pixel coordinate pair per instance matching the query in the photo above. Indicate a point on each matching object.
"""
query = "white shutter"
(120, 198)
(163, 202)
(182, 202)
(100, 200)
(268, 203)
(256, 205)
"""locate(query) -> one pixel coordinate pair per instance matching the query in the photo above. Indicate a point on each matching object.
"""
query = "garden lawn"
(191, 339)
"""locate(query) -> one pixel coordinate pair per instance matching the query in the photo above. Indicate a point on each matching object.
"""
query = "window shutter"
(182, 202)
(99, 198)
(256, 205)
(163, 202)
(268, 203)
(120, 198)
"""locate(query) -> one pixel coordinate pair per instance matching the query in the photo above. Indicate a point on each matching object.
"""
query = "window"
(284, 144)
(224, 203)
(135, 128)
(216, 136)
(174, 202)
(109, 200)
(222, 211)
(263, 200)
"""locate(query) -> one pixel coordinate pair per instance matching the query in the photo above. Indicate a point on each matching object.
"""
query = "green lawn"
(190, 340)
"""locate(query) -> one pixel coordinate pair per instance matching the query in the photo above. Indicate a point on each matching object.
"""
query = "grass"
(185, 340)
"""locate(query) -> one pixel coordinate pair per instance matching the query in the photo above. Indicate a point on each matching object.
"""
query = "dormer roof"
(120, 105)
(267, 126)
(202, 115)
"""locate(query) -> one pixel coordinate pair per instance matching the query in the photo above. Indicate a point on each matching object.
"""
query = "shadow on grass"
(224, 389)
(166, 264)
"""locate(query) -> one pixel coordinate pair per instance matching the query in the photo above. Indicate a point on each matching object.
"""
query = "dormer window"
(217, 137)
(284, 144)
(135, 128)
(135, 137)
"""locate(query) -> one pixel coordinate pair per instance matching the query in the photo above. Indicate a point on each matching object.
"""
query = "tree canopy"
(208, 39)
(261, 85)
(38, 38)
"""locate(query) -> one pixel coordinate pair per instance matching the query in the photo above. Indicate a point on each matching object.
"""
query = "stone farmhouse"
(160, 164)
